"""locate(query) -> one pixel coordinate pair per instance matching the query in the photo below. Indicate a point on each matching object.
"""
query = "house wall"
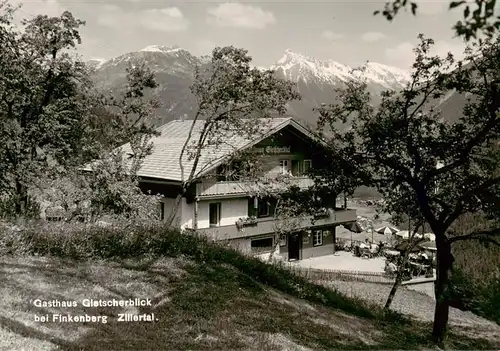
(169, 205)
(242, 244)
(245, 244)
(308, 250)
(328, 248)
(184, 217)
(187, 214)
(271, 163)
(231, 211)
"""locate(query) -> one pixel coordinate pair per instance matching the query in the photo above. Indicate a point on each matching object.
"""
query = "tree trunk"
(442, 288)
(276, 248)
(401, 266)
(21, 199)
(397, 283)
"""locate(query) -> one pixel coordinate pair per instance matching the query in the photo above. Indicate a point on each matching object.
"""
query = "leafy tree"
(423, 165)
(112, 186)
(42, 100)
(231, 97)
(53, 117)
(479, 15)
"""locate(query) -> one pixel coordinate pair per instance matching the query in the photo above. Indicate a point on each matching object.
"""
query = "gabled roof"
(163, 162)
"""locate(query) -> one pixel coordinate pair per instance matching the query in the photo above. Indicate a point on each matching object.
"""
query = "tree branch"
(465, 198)
(484, 235)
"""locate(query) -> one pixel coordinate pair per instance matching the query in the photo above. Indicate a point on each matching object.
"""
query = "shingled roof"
(163, 162)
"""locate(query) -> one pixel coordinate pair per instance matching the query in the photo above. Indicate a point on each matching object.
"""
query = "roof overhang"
(289, 122)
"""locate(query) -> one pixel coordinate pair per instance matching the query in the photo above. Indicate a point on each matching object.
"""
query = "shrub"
(476, 277)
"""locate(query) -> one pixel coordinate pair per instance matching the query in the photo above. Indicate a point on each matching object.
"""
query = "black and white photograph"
(249, 175)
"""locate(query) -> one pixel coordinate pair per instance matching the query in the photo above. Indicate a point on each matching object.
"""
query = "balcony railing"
(271, 225)
(214, 188)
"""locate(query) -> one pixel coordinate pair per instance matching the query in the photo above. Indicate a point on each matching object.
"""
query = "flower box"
(321, 213)
(246, 222)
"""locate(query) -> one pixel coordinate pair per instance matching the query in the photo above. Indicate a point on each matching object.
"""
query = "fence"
(331, 274)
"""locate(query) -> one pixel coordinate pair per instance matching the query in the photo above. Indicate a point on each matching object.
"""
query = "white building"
(220, 204)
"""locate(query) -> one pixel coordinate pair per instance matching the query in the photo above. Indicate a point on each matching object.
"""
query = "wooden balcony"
(209, 189)
(270, 224)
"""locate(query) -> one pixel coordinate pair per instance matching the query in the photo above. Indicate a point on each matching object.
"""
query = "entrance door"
(294, 244)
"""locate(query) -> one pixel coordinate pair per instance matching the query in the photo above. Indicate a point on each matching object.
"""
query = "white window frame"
(299, 166)
(262, 238)
(318, 237)
(304, 165)
(283, 240)
(285, 166)
(219, 216)
(268, 205)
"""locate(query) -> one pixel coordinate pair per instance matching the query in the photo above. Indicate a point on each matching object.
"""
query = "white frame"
(268, 214)
(284, 165)
(219, 215)
(316, 236)
(283, 240)
(304, 165)
(262, 238)
(300, 168)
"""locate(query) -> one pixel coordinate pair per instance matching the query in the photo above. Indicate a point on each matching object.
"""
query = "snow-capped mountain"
(171, 59)
(174, 68)
(386, 76)
(296, 67)
(96, 63)
(317, 79)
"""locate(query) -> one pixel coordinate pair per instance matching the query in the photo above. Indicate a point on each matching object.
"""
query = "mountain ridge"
(316, 80)
(324, 69)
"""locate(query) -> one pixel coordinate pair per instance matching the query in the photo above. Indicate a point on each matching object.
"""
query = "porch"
(271, 224)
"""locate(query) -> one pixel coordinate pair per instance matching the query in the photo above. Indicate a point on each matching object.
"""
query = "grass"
(205, 296)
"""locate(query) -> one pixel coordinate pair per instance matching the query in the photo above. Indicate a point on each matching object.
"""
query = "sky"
(344, 31)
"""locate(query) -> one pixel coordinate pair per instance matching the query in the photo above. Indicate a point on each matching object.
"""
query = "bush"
(476, 277)
(83, 241)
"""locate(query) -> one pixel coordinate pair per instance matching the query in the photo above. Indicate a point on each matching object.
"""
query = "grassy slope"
(199, 306)
(205, 297)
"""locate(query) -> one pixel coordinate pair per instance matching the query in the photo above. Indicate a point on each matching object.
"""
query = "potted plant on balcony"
(242, 222)
(321, 213)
